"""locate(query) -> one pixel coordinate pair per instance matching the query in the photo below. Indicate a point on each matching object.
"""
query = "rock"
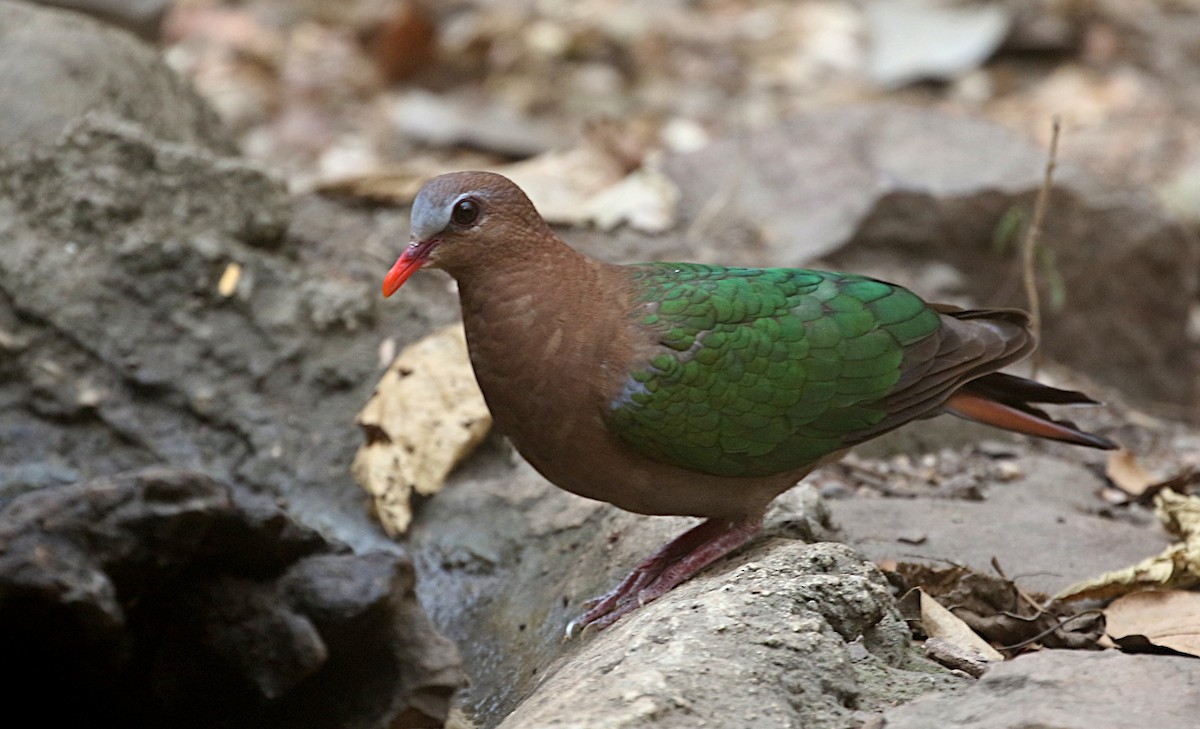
(776, 623)
(57, 66)
(1066, 690)
(809, 630)
(1050, 511)
(164, 597)
(142, 17)
(444, 120)
(155, 313)
(121, 344)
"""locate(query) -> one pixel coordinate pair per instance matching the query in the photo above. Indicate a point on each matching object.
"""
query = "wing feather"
(749, 372)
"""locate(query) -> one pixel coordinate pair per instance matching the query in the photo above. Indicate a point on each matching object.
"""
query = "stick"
(1029, 245)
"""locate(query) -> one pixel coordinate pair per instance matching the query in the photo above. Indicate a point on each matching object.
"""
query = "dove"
(699, 390)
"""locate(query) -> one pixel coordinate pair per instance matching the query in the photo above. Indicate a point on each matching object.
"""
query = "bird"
(699, 390)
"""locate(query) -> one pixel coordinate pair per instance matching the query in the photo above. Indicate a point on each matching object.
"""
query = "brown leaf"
(995, 607)
(426, 415)
(1181, 483)
(1165, 618)
(1126, 474)
(938, 622)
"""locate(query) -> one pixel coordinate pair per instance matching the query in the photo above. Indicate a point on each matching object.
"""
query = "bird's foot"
(655, 576)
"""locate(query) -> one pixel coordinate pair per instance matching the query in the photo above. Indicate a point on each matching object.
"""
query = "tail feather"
(1010, 389)
(1004, 401)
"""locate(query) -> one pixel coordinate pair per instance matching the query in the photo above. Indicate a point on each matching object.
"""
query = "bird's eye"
(465, 212)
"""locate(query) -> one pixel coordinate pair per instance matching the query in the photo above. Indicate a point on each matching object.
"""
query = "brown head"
(467, 219)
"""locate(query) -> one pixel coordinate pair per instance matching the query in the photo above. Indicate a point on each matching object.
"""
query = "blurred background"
(323, 90)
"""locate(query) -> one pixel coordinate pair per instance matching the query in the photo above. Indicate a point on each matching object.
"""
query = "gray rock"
(807, 633)
(143, 17)
(1050, 514)
(165, 598)
(774, 624)
(57, 66)
(119, 349)
(1067, 690)
(122, 207)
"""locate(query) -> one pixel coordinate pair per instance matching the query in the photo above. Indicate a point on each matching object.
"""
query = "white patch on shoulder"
(632, 387)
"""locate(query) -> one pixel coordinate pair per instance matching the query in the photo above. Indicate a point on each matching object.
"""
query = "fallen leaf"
(587, 186)
(1165, 618)
(645, 200)
(1125, 472)
(562, 184)
(938, 622)
(426, 415)
(1179, 483)
(994, 607)
(1178, 566)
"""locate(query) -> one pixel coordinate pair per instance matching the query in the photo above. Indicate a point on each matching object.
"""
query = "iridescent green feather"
(762, 371)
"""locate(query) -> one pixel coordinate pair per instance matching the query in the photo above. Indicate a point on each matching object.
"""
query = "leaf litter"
(990, 607)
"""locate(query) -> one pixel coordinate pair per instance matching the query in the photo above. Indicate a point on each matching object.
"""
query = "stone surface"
(143, 17)
(920, 40)
(156, 313)
(774, 624)
(1043, 529)
(57, 66)
(118, 346)
(1067, 690)
(165, 598)
(807, 633)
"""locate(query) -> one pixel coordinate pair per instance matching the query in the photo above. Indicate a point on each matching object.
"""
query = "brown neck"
(507, 286)
(545, 331)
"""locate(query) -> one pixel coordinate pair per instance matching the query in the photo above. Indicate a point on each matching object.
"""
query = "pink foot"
(676, 562)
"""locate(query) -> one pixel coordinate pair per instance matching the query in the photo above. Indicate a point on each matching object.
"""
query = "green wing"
(761, 371)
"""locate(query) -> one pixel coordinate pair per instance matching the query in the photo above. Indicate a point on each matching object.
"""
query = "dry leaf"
(1166, 618)
(426, 415)
(1178, 566)
(1125, 472)
(645, 199)
(590, 185)
(938, 622)
(1180, 515)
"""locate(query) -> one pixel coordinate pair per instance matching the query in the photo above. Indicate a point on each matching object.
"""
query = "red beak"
(413, 258)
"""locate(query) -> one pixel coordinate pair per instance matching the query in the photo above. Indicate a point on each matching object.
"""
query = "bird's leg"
(676, 562)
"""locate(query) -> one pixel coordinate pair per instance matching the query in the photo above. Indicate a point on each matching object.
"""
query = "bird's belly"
(574, 450)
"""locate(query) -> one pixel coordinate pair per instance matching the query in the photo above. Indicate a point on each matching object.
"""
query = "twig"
(1029, 245)
(1060, 623)
(1020, 593)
